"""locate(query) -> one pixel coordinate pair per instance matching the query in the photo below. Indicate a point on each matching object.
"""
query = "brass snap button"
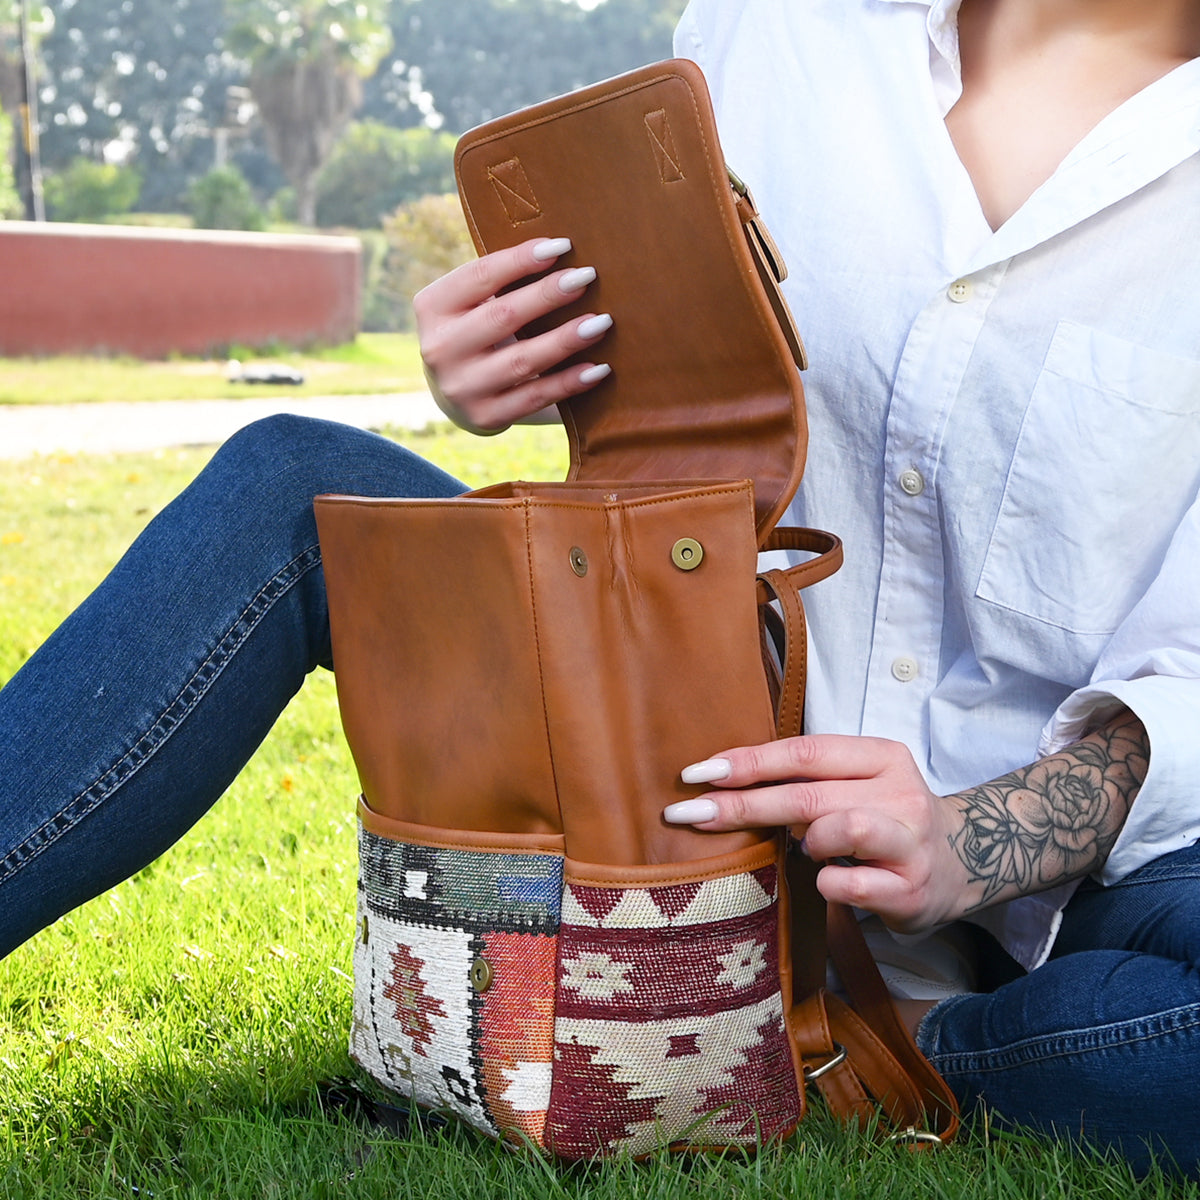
(481, 974)
(578, 561)
(687, 554)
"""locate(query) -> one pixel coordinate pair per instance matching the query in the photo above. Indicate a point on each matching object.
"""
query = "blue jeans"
(138, 712)
(1101, 1044)
(133, 718)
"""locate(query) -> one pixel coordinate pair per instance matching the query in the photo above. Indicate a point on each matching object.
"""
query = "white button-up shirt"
(1005, 425)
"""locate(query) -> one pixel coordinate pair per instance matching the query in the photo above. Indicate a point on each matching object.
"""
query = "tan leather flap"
(459, 839)
(704, 384)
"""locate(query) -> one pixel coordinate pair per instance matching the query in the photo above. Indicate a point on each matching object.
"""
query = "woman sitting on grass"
(987, 209)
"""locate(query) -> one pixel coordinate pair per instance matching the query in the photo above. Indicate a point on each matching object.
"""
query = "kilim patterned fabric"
(670, 1022)
(454, 979)
(582, 1018)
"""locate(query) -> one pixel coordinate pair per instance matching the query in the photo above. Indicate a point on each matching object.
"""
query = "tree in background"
(136, 81)
(10, 89)
(461, 62)
(623, 34)
(91, 191)
(222, 199)
(10, 203)
(376, 168)
(307, 61)
(425, 239)
(144, 82)
(23, 25)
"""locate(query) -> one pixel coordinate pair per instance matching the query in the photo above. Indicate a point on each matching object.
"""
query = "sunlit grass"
(373, 363)
(168, 1038)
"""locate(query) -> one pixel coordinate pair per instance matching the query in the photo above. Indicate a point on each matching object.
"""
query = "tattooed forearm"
(1055, 820)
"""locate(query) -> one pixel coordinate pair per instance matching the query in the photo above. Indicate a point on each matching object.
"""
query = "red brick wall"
(152, 292)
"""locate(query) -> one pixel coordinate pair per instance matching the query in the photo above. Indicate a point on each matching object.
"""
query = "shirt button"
(960, 291)
(912, 481)
(905, 669)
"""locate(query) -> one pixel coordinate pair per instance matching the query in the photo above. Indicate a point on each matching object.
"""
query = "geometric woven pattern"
(669, 1020)
(426, 1023)
(516, 1031)
(584, 1018)
(460, 888)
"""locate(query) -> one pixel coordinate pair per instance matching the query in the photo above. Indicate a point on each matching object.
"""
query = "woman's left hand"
(849, 798)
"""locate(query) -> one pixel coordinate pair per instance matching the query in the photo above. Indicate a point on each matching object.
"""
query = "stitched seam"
(663, 157)
(534, 122)
(167, 721)
(639, 502)
(503, 190)
(684, 492)
(537, 645)
(718, 175)
(1099, 1040)
(586, 879)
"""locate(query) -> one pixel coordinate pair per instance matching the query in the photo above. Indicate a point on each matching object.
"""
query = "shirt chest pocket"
(1106, 463)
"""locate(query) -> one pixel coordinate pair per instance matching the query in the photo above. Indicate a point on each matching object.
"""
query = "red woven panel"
(669, 1024)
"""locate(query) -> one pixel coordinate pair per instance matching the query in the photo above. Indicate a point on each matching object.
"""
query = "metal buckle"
(912, 1136)
(812, 1074)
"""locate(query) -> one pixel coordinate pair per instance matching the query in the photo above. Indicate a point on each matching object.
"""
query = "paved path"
(29, 429)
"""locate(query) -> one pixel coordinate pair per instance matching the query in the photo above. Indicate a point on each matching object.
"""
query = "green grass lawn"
(167, 1039)
(374, 362)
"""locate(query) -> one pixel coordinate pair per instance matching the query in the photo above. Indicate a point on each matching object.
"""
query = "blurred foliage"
(377, 311)
(306, 61)
(222, 199)
(376, 168)
(425, 239)
(91, 191)
(138, 81)
(10, 202)
(282, 209)
(462, 62)
(272, 33)
(145, 82)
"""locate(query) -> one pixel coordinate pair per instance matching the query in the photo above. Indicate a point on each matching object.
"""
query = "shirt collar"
(1133, 146)
(941, 23)
(1136, 144)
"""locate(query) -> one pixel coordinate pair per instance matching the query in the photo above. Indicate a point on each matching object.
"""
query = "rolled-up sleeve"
(1151, 666)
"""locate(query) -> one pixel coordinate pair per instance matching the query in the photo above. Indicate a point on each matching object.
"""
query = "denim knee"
(292, 457)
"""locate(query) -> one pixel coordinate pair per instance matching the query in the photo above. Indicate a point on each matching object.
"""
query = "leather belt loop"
(783, 585)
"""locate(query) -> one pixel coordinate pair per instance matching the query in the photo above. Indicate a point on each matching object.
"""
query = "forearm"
(1053, 821)
(890, 845)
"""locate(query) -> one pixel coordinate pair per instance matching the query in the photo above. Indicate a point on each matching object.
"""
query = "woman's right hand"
(481, 376)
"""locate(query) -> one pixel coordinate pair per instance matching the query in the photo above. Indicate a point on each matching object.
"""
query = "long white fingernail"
(594, 326)
(551, 248)
(708, 771)
(594, 374)
(580, 277)
(690, 812)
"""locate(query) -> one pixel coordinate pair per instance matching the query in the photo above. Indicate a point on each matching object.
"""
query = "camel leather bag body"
(523, 671)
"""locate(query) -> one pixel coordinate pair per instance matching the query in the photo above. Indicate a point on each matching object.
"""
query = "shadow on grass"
(235, 1121)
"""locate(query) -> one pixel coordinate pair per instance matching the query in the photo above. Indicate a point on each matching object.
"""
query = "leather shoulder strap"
(782, 586)
(861, 1058)
(875, 1009)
